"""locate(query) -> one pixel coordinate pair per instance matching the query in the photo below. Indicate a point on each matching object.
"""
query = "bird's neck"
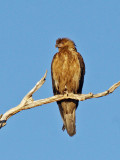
(67, 48)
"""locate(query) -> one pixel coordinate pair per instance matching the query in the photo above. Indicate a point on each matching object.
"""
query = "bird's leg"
(66, 91)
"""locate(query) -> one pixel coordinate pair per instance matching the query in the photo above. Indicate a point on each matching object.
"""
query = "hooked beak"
(58, 45)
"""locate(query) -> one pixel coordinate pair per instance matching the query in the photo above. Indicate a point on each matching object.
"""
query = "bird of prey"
(67, 71)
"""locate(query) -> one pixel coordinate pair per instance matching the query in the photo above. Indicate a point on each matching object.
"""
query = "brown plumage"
(67, 71)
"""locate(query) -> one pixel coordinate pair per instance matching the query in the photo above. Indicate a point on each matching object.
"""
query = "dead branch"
(28, 102)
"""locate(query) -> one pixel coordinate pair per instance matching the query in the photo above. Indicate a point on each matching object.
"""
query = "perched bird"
(67, 71)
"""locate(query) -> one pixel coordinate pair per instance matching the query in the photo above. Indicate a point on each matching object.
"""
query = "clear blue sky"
(28, 31)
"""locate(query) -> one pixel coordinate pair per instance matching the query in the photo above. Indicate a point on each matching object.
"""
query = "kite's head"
(65, 43)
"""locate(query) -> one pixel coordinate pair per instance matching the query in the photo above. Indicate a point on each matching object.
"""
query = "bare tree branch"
(28, 102)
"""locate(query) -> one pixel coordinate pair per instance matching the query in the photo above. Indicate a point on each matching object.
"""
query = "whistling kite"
(67, 71)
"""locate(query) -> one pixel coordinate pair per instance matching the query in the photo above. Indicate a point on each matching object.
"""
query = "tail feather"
(69, 123)
(67, 110)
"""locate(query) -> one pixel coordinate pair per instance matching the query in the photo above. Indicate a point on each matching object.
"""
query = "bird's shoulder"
(81, 61)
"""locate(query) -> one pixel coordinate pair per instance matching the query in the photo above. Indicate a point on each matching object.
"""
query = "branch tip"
(2, 123)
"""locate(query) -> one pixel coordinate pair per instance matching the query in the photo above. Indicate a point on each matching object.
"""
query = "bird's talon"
(63, 127)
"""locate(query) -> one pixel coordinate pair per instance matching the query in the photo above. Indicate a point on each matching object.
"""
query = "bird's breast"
(66, 72)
